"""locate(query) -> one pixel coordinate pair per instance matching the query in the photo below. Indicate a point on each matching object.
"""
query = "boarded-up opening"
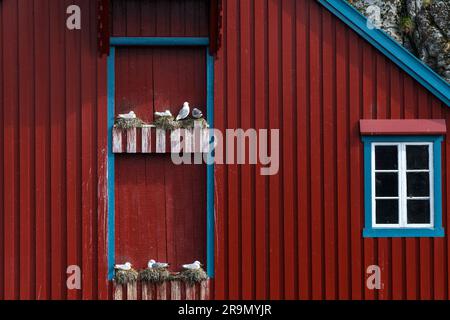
(160, 207)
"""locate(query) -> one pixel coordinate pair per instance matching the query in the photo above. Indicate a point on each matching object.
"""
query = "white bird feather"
(166, 113)
(184, 112)
(192, 266)
(152, 264)
(129, 115)
(124, 267)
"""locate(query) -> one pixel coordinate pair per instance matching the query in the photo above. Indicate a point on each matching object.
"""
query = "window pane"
(386, 211)
(386, 158)
(417, 157)
(419, 211)
(418, 184)
(386, 184)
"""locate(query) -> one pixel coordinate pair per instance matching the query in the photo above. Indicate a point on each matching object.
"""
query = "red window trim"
(403, 127)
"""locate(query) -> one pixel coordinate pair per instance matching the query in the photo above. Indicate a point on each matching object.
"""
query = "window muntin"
(402, 185)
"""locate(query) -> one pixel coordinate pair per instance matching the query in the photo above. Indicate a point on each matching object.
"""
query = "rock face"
(421, 26)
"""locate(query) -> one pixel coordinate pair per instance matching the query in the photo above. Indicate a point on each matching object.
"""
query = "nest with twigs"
(191, 277)
(169, 123)
(154, 275)
(166, 123)
(126, 276)
(126, 124)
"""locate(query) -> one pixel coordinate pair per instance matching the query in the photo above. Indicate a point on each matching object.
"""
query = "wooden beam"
(215, 26)
(103, 28)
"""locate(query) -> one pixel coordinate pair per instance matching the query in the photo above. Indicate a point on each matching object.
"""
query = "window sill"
(403, 233)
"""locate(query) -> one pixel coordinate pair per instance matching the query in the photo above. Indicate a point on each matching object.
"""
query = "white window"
(402, 185)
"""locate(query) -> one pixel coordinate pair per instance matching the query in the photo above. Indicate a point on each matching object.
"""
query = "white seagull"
(130, 115)
(152, 264)
(184, 112)
(124, 267)
(193, 266)
(197, 113)
(166, 113)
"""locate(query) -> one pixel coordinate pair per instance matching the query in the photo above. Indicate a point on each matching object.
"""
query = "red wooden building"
(349, 193)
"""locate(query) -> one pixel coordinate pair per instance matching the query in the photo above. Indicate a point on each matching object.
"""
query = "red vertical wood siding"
(292, 65)
(283, 64)
(52, 152)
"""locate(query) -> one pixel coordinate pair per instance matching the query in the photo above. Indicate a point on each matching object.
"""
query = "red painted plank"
(233, 184)
(2, 155)
(42, 149)
(11, 156)
(72, 152)
(220, 239)
(342, 169)
(289, 148)
(304, 174)
(88, 190)
(246, 103)
(275, 184)
(26, 143)
(101, 264)
(261, 182)
(316, 140)
(356, 165)
(329, 156)
(58, 118)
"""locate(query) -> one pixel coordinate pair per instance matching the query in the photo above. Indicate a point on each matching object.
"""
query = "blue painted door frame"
(158, 41)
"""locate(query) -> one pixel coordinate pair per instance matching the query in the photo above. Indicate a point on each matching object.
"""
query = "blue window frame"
(159, 41)
(402, 186)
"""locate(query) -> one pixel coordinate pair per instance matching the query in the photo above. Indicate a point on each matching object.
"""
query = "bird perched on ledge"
(197, 113)
(123, 267)
(166, 113)
(193, 266)
(152, 264)
(184, 112)
(127, 116)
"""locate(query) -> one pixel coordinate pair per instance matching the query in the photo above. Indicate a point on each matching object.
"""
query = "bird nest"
(169, 123)
(154, 275)
(126, 276)
(191, 277)
(126, 124)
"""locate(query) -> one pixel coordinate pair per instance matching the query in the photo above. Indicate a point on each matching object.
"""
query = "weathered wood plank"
(161, 291)
(175, 292)
(118, 292)
(175, 144)
(117, 140)
(160, 141)
(145, 292)
(146, 139)
(190, 292)
(132, 291)
(204, 290)
(131, 140)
